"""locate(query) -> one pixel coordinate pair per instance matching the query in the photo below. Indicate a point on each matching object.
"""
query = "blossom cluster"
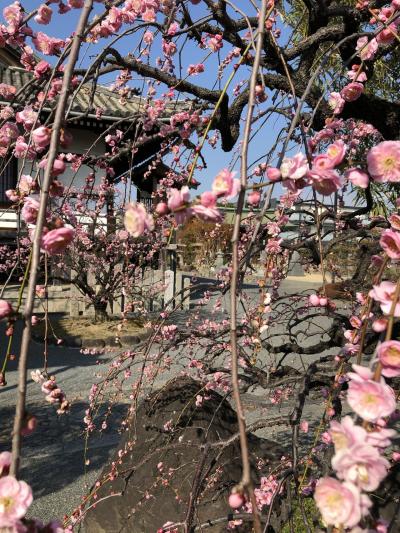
(53, 393)
(295, 173)
(359, 462)
(386, 21)
(224, 186)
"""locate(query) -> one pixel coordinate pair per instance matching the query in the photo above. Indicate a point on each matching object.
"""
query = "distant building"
(85, 128)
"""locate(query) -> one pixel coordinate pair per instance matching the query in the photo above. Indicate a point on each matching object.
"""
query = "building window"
(8, 178)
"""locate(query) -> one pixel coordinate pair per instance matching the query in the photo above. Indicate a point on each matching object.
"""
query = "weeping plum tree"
(300, 99)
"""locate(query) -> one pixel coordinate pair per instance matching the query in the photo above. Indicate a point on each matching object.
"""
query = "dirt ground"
(85, 327)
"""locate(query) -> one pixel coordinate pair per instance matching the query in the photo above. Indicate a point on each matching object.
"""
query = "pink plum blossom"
(340, 504)
(12, 195)
(7, 91)
(148, 37)
(273, 246)
(137, 220)
(384, 294)
(225, 185)
(15, 499)
(208, 199)
(389, 356)
(322, 162)
(380, 437)
(366, 49)
(44, 14)
(336, 152)
(55, 241)
(369, 399)
(23, 149)
(352, 91)
(47, 45)
(27, 117)
(390, 243)
(362, 465)
(41, 69)
(14, 16)
(395, 221)
(59, 166)
(5, 309)
(325, 182)
(30, 210)
(209, 214)
(336, 103)
(384, 162)
(346, 434)
(357, 177)
(178, 199)
(294, 168)
(356, 74)
(387, 35)
(41, 137)
(215, 43)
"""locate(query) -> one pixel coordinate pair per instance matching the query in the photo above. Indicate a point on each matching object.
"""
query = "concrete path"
(53, 457)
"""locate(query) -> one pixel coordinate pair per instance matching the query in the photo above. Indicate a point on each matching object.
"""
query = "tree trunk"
(100, 312)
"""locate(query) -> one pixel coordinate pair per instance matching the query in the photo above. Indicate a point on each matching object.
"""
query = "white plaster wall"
(83, 140)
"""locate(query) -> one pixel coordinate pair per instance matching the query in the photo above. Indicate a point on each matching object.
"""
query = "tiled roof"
(113, 108)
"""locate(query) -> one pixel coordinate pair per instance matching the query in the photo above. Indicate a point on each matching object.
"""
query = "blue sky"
(63, 26)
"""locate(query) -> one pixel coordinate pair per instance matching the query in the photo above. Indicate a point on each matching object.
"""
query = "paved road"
(53, 457)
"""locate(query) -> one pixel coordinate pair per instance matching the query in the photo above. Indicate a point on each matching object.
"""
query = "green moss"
(311, 513)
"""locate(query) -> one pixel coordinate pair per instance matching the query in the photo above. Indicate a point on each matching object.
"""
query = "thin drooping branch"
(245, 483)
(36, 244)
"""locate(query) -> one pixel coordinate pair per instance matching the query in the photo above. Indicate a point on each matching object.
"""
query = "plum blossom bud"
(273, 174)
(12, 195)
(379, 325)
(29, 427)
(236, 500)
(162, 209)
(260, 93)
(314, 300)
(5, 309)
(5, 463)
(254, 198)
